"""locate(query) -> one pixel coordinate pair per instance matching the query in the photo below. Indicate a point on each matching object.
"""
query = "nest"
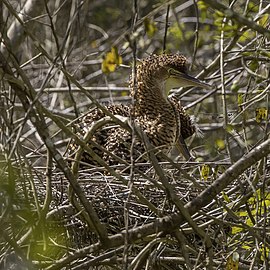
(120, 208)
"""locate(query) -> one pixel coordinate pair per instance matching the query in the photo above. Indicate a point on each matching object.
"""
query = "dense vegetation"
(61, 58)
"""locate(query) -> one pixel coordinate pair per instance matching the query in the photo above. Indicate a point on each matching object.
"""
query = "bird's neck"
(150, 96)
(155, 113)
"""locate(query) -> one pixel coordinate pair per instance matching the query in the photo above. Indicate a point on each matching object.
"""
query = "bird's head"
(165, 71)
(172, 72)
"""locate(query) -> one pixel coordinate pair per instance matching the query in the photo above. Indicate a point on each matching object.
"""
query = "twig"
(171, 222)
(166, 28)
(37, 119)
(195, 47)
(223, 96)
(229, 13)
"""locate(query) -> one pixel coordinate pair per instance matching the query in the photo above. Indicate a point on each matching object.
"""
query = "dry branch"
(169, 223)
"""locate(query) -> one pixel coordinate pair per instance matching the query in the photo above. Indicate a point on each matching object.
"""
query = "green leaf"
(150, 27)
(247, 35)
(176, 31)
(203, 10)
(235, 86)
(229, 128)
(264, 20)
(265, 252)
(240, 99)
(220, 144)
(226, 197)
(205, 171)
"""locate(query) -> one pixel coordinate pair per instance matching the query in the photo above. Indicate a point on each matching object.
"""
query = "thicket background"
(208, 214)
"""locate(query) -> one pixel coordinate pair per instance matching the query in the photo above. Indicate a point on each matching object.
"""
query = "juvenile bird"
(163, 120)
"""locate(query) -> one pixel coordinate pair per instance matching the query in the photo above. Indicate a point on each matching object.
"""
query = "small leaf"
(233, 262)
(229, 128)
(226, 197)
(247, 245)
(236, 230)
(111, 61)
(261, 114)
(249, 221)
(254, 64)
(242, 213)
(253, 7)
(150, 27)
(263, 20)
(235, 86)
(220, 144)
(247, 35)
(259, 201)
(205, 170)
(203, 10)
(265, 251)
(240, 98)
(176, 31)
(94, 44)
(202, 5)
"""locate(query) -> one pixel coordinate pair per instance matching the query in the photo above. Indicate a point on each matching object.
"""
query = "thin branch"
(166, 28)
(223, 96)
(37, 119)
(171, 222)
(229, 13)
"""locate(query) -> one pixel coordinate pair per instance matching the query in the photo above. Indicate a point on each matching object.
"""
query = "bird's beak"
(180, 79)
(191, 81)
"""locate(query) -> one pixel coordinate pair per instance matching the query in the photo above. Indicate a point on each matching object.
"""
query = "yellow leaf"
(150, 27)
(94, 44)
(220, 144)
(261, 114)
(111, 60)
(242, 213)
(203, 10)
(259, 201)
(236, 230)
(233, 262)
(205, 170)
(249, 221)
(202, 5)
(267, 199)
(226, 197)
(265, 251)
(263, 20)
(247, 245)
(249, 34)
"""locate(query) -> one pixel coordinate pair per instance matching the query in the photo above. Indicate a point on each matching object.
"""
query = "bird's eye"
(171, 71)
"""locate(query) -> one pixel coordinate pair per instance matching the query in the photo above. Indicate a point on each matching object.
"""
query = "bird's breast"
(160, 128)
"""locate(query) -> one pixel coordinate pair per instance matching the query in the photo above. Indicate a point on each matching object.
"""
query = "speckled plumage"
(161, 118)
